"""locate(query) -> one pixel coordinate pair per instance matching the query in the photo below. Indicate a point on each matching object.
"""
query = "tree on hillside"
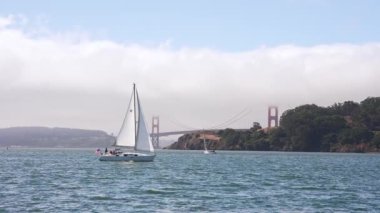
(256, 126)
(301, 126)
(370, 113)
(348, 108)
(376, 140)
(277, 139)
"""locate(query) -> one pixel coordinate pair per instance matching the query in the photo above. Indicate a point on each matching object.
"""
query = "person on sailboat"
(106, 151)
(98, 152)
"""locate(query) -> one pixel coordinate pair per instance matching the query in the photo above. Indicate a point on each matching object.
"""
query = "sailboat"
(205, 151)
(205, 145)
(133, 135)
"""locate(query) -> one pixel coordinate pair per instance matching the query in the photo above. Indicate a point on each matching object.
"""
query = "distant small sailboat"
(133, 135)
(206, 151)
(205, 146)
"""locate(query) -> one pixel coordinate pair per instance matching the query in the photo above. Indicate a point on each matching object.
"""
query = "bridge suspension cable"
(183, 126)
(236, 117)
(242, 114)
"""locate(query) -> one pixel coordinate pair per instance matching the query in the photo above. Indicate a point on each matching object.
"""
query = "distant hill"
(54, 137)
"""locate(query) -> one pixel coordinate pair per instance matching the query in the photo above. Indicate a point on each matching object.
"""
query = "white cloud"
(70, 80)
(5, 21)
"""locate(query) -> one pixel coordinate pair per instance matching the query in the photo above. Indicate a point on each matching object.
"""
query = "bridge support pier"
(155, 132)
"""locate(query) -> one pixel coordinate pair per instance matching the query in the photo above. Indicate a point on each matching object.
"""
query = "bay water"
(74, 180)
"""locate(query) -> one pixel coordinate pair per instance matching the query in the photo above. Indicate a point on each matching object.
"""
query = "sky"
(197, 64)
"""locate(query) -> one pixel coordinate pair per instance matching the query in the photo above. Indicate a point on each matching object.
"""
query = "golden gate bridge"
(156, 134)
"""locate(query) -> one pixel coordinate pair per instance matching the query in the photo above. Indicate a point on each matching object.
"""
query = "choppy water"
(179, 181)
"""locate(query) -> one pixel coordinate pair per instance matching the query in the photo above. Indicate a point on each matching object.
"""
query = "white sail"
(127, 134)
(143, 142)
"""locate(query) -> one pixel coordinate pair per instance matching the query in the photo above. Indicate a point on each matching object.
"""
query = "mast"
(204, 142)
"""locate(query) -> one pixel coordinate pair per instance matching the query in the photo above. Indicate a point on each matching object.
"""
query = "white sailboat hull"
(128, 156)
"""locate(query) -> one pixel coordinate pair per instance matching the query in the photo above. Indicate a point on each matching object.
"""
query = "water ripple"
(49, 180)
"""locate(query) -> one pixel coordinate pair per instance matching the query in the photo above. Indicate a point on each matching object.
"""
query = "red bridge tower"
(155, 132)
(272, 117)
